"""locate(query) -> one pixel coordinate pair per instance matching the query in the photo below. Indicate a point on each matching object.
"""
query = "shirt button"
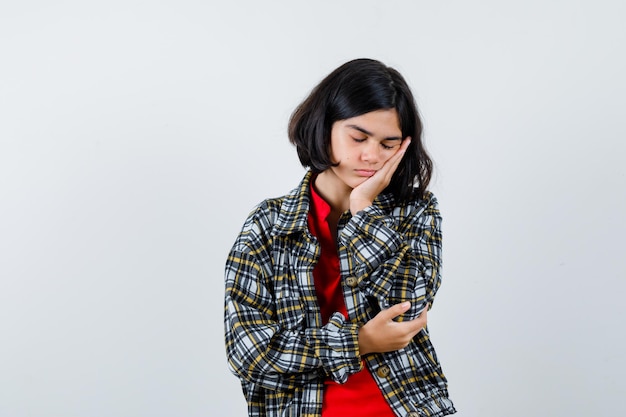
(351, 282)
(383, 371)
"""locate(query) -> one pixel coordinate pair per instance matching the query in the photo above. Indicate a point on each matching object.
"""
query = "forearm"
(268, 341)
(281, 359)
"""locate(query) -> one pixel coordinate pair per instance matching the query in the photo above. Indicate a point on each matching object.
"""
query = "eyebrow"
(367, 132)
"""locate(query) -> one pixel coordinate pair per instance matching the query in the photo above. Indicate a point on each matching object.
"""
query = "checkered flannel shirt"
(276, 342)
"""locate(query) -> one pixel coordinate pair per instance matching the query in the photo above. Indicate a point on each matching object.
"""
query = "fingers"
(401, 308)
(384, 334)
(395, 311)
(405, 145)
(394, 161)
(414, 325)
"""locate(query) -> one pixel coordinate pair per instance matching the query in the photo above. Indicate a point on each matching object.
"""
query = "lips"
(365, 172)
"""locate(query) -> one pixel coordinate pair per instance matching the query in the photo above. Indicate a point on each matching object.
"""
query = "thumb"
(396, 310)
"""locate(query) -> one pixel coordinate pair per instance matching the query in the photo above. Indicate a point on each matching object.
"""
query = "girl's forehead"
(383, 122)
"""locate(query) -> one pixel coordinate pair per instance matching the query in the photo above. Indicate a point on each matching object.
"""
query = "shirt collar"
(294, 210)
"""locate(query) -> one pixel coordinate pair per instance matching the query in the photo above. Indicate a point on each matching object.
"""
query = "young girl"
(328, 287)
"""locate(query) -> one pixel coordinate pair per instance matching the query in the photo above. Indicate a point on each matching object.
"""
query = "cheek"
(387, 156)
(341, 155)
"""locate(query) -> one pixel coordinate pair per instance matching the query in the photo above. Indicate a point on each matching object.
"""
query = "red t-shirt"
(359, 396)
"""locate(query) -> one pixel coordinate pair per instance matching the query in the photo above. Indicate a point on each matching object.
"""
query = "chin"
(351, 180)
(356, 182)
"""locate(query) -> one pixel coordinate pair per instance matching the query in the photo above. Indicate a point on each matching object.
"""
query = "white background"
(135, 137)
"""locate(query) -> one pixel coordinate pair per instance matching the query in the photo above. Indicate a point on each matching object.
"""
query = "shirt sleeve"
(280, 354)
(396, 257)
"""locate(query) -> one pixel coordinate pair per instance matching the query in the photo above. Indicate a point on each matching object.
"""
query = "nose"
(371, 152)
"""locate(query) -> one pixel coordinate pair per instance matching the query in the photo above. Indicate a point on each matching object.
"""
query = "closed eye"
(390, 145)
(385, 146)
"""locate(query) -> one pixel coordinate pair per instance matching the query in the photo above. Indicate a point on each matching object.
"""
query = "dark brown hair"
(355, 88)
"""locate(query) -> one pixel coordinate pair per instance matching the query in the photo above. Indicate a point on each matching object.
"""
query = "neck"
(334, 191)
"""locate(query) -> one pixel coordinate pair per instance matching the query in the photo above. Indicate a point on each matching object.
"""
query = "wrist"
(364, 347)
(357, 205)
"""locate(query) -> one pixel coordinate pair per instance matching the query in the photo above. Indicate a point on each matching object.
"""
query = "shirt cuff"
(337, 346)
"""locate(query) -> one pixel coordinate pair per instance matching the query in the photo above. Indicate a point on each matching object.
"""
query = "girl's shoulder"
(263, 215)
(275, 216)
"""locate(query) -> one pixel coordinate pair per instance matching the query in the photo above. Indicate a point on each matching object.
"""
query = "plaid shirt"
(275, 340)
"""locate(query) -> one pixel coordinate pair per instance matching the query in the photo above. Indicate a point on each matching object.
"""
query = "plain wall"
(135, 137)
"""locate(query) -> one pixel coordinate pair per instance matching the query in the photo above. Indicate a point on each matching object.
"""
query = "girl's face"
(362, 144)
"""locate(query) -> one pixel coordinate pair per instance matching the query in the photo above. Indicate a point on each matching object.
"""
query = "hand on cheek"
(364, 194)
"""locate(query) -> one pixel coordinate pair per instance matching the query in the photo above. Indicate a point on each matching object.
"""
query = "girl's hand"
(364, 194)
(383, 334)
